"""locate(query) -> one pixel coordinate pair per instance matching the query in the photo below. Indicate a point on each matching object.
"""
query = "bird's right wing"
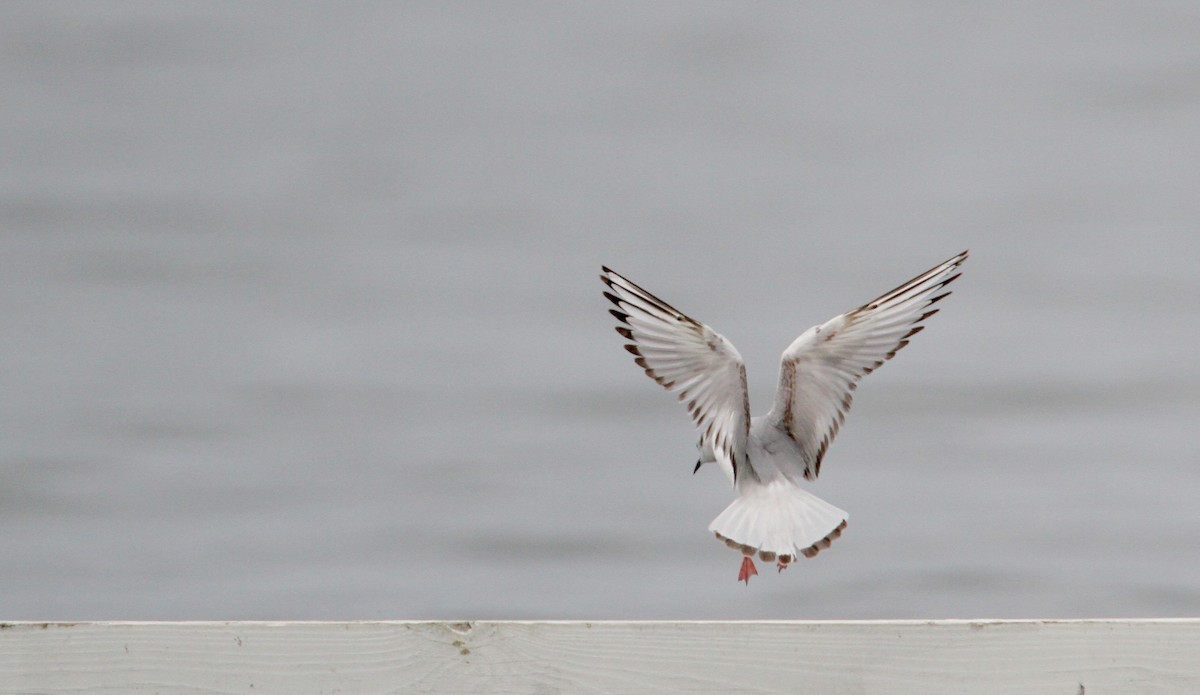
(820, 370)
(690, 359)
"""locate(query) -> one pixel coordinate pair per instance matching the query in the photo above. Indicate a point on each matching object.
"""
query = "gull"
(766, 457)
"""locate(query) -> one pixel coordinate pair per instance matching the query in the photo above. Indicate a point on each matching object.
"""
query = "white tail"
(779, 520)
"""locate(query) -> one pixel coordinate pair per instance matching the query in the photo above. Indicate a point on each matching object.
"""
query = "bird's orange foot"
(785, 561)
(748, 570)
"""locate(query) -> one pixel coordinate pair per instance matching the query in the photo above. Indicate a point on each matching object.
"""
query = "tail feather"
(779, 520)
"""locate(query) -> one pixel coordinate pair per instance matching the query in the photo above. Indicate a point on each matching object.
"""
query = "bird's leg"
(748, 570)
(784, 562)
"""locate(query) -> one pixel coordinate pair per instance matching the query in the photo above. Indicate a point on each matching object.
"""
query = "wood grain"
(1009, 657)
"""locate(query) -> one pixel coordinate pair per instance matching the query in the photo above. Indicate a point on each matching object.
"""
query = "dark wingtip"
(697, 468)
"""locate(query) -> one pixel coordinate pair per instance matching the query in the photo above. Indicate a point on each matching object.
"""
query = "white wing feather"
(688, 358)
(820, 370)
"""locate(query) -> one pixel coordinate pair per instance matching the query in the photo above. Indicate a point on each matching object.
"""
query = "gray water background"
(300, 317)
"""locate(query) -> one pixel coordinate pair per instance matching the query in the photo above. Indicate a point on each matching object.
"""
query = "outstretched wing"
(690, 359)
(821, 368)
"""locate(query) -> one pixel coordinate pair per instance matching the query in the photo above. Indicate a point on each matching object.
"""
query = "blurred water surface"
(300, 316)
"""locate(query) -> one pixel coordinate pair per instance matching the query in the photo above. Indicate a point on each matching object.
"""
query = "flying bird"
(766, 457)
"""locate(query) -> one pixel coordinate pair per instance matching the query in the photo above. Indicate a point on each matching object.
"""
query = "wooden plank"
(1008, 657)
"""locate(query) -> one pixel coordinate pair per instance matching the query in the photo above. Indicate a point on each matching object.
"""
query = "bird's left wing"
(690, 359)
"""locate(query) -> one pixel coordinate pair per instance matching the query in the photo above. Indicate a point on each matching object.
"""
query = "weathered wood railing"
(1047, 657)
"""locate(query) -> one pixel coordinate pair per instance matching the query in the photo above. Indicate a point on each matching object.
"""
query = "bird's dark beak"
(697, 468)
